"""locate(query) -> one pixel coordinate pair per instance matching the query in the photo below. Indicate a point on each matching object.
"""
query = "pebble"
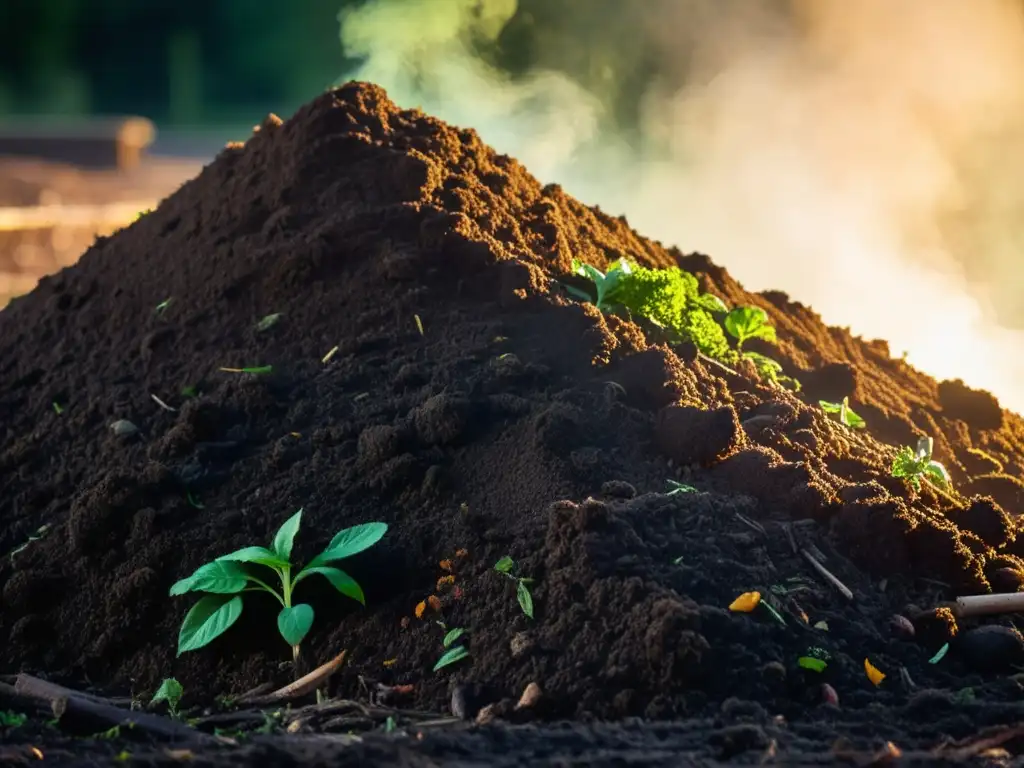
(123, 428)
(829, 695)
(460, 705)
(1006, 580)
(901, 627)
(531, 695)
(520, 644)
(990, 648)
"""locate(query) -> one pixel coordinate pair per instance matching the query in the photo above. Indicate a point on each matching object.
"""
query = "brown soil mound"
(472, 406)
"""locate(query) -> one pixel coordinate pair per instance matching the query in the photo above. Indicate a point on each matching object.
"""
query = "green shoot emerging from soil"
(170, 690)
(453, 653)
(846, 414)
(918, 465)
(10, 719)
(229, 575)
(675, 488)
(505, 566)
(745, 323)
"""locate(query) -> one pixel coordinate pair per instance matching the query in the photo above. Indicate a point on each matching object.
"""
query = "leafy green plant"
(505, 566)
(12, 719)
(816, 659)
(229, 575)
(453, 653)
(745, 323)
(845, 412)
(606, 284)
(918, 465)
(170, 690)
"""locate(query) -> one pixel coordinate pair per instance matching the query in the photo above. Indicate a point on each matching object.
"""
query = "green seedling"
(607, 285)
(229, 575)
(505, 566)
(268, 322)
(41, 531)
(815, 660)
(846, 414)
(11, 719)
(170, 690)
(675, 488)
(162, 306)
(57, 408)
(745, 323)
(771, 370)
(255, 370)
(452, 654)
(918, 465)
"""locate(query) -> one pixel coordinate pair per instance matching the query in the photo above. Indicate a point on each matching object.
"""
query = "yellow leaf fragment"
(746, 602)
(421, 606)
(390, 662)
(435, 602)
(874, 674)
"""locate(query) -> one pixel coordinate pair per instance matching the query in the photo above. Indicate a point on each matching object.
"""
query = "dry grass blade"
(301, 687)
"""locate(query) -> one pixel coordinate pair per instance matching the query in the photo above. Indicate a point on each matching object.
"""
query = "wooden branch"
(90, 714)
(301, 687)
(827, 575)
(979, 605)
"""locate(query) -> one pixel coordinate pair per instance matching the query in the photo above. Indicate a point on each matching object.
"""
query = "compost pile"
(430, 371)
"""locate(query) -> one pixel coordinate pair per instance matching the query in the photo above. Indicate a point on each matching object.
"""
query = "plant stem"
(267, 587)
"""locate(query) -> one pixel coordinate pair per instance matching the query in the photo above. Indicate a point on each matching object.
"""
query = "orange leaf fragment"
(445, 581)
(435, 602)
(421, 606)
(462, 553)
(37, 752)
(446, 565)
(874, 674)
(746, 602)
(403, 689)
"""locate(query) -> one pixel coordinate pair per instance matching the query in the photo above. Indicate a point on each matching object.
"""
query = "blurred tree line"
(177, 61)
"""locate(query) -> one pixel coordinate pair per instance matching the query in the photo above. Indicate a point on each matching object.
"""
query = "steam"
(857, 155)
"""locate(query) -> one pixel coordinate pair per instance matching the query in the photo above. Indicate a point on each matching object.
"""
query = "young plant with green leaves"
(917, 466)
(453, 653)
(228, 576)
(170, 690)
(845, 412)
(505, 567)
(745, 323)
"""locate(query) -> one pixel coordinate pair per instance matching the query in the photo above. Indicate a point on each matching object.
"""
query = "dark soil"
(517, 422)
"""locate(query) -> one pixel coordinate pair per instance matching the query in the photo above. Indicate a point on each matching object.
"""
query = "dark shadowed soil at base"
(429, 371)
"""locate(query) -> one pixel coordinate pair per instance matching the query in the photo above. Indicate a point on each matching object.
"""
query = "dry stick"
(977, 747)
(300, 687)
(93, 713)
(827, 575)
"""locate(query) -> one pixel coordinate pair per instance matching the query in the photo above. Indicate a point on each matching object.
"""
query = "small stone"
(1006, 580)
(531, 695)
(459, 704)
(487, 715)
(991, 648)
(901, 627)
(829, 695)
(123, 428)
(520, 644)
(774, 672)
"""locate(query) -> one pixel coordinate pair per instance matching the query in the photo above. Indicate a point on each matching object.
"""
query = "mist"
(859, 156)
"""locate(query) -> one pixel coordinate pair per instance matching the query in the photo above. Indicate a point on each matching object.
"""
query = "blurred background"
(864, 157)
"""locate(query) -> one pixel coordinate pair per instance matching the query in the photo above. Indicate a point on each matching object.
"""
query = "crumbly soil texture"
(429, 370)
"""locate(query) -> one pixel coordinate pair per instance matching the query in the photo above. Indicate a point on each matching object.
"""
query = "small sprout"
(940, 654)
(607, 285)
(255, 370)
(41, 531)
(389, 724)
(875, 675)
(452, 655)
(679, 488)
(162, 306)
(193, 501)
(746, 602)
(189, 392)
(846, 414)
(268, 322)
(9, 719)
(57, 408)
(327, 358)
(678, 560)
(170, 690)
(505, 566)
(228, 576)
(775, 614)
(452, 636)
(419, 324)
(918, 465)
(745, 323)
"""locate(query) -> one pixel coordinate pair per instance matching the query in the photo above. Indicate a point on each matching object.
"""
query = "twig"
(789, 535)
(85, 713)
(979, 605)
(979, 746)
(827, 575)
(301, 687)
(753, 524)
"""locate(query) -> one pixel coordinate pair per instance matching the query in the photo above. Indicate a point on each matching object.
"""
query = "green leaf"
(286, 536)
(219, 577)
(828, 407)
(764, 363)
(525, 599)
(940, 654)
(505, 565)
(744, 323)
(268, 322)
(170, 690)
(208, 619)
(811, 663)
(338, 578)
(578, 293)
(258, 555)
(351, 541)
(294, 623)
(452, 636)
(458, 653)
(711, 303)
(937, 474)
(587, 271)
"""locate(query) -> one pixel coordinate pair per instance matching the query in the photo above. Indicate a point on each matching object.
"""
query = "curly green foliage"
(660, 294)
(700, 327)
